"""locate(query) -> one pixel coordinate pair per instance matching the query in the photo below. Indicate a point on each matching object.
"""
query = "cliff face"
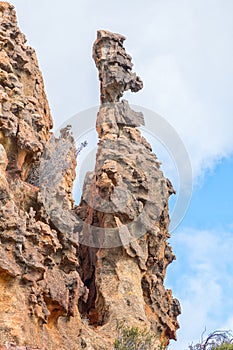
(39, 282)
(57, 292)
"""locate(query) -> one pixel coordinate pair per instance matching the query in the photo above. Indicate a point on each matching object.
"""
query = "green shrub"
(135, 339)
(224, 346)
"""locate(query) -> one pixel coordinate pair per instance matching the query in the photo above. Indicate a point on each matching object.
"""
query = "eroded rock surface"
(39, 283)
(125, 200)
(56, 293)
(115, 67)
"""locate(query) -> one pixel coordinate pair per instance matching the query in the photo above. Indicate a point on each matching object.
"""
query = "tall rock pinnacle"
(57, 292)
(127, 196)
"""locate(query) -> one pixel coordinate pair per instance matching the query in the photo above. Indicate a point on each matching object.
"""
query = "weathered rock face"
(25, 118)
(127, 196)
(114, 66)
(54, 292)
(39, 282)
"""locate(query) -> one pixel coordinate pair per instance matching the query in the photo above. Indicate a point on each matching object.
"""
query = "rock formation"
(58, 291)
(127, 195)
(39, 282)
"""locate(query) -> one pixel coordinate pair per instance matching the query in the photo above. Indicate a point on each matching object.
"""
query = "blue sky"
(183, 50)
(212, 200)
(201, 277)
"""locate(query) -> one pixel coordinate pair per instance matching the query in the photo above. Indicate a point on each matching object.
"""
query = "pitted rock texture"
(115, 67)
(127, 196)
(39, 283)
(56, 293)
(25, 118)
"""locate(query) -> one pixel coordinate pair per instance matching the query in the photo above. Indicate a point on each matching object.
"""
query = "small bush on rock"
(136, 339)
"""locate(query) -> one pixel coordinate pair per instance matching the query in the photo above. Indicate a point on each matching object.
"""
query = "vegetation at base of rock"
(133, 338)
(217, 340)
(224, 346)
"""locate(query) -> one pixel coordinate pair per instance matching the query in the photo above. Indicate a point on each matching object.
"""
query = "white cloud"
(202, 280)
(183, 51)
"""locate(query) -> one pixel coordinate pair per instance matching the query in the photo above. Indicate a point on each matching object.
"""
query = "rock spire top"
(115, 67)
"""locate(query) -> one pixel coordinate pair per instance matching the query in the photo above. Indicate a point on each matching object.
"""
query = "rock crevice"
(127, 197)
(57, 292)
